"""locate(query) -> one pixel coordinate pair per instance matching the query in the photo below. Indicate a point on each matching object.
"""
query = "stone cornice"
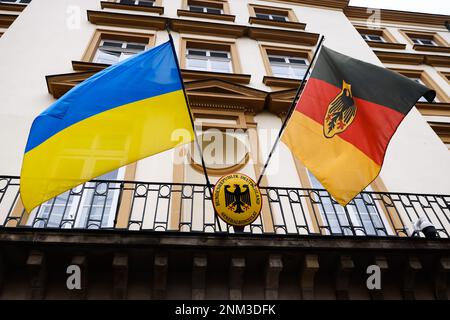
(202, 27)
(232, 241)
(12, 7)
(413, 58)
(203, 88)
(333, 4)
(435, 20)
(132, 7)
(438, 109)
(7, 19)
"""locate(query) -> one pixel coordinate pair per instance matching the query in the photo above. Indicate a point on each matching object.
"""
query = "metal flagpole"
(290, 110)
(205, 172)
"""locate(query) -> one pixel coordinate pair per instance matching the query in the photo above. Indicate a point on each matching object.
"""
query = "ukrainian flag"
(124, 113)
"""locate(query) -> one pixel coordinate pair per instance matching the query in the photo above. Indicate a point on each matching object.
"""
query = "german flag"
(345, 118)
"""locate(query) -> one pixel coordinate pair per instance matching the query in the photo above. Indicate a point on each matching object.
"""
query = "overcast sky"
(429, 6)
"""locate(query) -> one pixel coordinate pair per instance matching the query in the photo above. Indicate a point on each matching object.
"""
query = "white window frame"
(126, 52)
(14, 1)
(138, 2)
(209, 59)
(289, 64)
(205, 9)
(77, 204)
(271, 16)
(420, 41)
(338, 214)
(367, 37)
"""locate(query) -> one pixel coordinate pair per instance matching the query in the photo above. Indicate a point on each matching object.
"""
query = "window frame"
(15, 2)
(75, 210)
(315, 213)
(410, 35)
(208, 57)
(101, 34)
(288, 13)
(350, 216)
(445, 75)
(367, 36)
(267, 50)
(426, 79)
(136, 2)
(213, 4)
(201, 44)
(124, 48)
(383, 33)
(288, 63)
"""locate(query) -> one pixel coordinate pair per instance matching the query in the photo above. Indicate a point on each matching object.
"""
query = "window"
(288, 67)
(205, 9)
(209, 56)
(284, 66)
(209, 60)
(145, 3)
(207, 6)
(372, 37)
(274, 17)
(273, 14)
(110, 47)
(422, 77)
(113, 51)
(16, 1)
(91, 206)
(362, 217)
(425, 42)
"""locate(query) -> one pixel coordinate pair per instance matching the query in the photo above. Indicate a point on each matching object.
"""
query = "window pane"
(280, 71)
(220, 66)
(263, 16)
(146, 3)
(124, 56)
(109, 43)
(196, 64)
(278, 18)
(196, 9)
(297, 61)
(136, 46)
(277, 59)
(127, 2)
(427, 42)
(107, 57)
(197, 53)
(299, 72)
(214, 10)
(375, 38)
(218, 54)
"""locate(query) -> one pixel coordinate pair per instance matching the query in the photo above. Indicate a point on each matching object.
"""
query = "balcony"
(186, 208)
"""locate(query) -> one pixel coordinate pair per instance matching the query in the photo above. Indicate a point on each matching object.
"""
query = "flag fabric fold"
(345, 118)
(124, 113)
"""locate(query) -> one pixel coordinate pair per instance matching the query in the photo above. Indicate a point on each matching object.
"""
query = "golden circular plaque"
(237, 199)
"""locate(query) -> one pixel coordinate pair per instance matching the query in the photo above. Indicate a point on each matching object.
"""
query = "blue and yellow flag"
(124, 113)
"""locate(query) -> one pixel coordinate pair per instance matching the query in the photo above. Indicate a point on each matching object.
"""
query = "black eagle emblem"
(341, 112)
(239, 199)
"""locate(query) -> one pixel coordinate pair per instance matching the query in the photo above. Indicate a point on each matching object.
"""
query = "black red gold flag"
(345, 118)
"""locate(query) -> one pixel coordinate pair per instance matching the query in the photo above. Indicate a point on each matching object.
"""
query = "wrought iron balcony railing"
(177, 207)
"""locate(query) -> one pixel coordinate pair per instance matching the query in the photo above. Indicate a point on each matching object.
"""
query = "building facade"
(148, 230)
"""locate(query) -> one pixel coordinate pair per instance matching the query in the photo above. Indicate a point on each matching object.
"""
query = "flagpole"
(205, 172)
(290, 110)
